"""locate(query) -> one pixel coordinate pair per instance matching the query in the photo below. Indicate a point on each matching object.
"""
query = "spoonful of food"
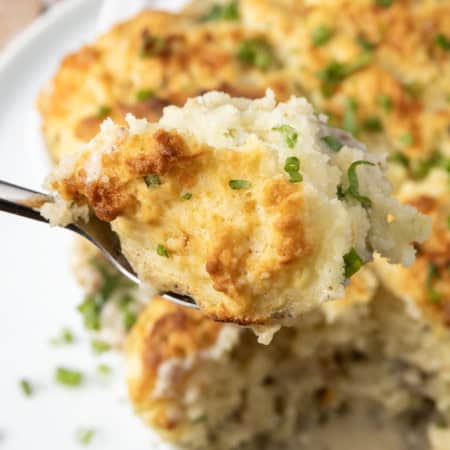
(26, 203)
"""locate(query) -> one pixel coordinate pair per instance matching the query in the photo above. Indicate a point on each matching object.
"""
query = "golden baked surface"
(140, 66)
(380, 72)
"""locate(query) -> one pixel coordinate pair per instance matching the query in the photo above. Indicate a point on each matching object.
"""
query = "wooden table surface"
(17, 14)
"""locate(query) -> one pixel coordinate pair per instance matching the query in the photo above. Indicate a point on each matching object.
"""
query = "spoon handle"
(22, 201)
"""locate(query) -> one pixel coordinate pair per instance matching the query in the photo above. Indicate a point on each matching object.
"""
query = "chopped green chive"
(440, 422)
(413, 89)
(99, 346)
(349, 121)
(228, 11)
(68, 377)
(256, 52)
(126, 301)
(373, 124)
(144, 94)
(406, 139)
(334, 144)
(384, 3)
(162, 251)
(289, 133)
(84, 436)
(151, 45)
(352, 263)
(129, 319)
(385, 101)
(292, 167)
(103, 111)
(340, 192)
(230, 133)
(64, 337)
(200, 419)
(333, 73)
(26, 387)
(321, 35)
(239, 184)
(93, 304)
(186, 196)
(365, 44)
(448, 222)
(103, 369)
(90, 311)
(423, 167)
(442, 41)
(336, 71)
(432, 274)
(353, 188)
(152, 180)
(399, 158)
(292, 164)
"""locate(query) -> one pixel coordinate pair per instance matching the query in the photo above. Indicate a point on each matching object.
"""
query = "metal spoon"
(26, 203)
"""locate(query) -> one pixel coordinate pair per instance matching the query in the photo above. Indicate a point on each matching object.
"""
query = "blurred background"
(16, 14)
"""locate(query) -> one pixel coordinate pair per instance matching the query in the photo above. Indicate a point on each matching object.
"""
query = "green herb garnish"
(126, 301)
(384, 3)
(162, 251)
(352, 263)
(26, 387)
(385, 101)
(103, 369)
(151, 45)
(230, 133)
(93, 304)
(423, 167)
(336, 71)
(90, 310)
(413, 89)
(186, 196)
(353, 188)
(99, 346)
(292, 167)
(256, 52)
(144, 94)
(321, 35)
(372, 124)
(84, 436)
(334, 144)
(228, 11)
(103, 111)
(239, 184)
(442, 41)
(365, 44)
(289, 133)
(68, 377)
(333, 73)
(432, 274)
(200, 419)
(406, 139)
(340, 192)
(349, 121)
(152, 180)
(129, 319)
(64, 337)
(448, 222)
(399, 158)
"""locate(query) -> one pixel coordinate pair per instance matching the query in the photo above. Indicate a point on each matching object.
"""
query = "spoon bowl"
(25, 202)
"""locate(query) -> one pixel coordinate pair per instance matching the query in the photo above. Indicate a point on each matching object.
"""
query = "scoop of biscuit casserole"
(256, 209)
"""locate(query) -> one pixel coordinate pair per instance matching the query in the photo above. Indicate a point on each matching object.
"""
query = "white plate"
(38, 294)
